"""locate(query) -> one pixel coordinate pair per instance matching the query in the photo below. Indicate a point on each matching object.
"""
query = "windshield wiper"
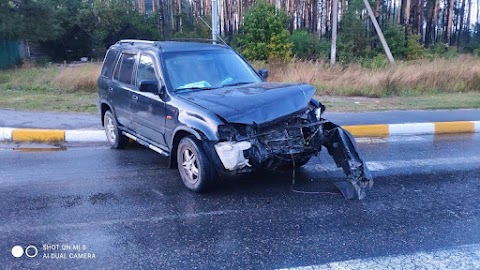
(236, 84)
(195, 88)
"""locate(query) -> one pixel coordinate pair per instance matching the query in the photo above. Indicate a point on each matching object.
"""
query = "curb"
(51, 135)
(57, 135)
(414, 129)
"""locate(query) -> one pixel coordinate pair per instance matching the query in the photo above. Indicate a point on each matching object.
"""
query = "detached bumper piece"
(342, 147)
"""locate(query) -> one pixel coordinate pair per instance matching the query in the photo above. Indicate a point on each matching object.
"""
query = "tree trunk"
(420, 18)
(291, 14)
(435, 20)
(333, 49)
(407, 19)
(469, 19)
(478, 11)
(399, 13)
(450, 22)
(429, 23)
(461, 19)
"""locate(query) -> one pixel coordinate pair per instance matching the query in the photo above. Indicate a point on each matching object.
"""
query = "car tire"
(114, 135)
(195, 169)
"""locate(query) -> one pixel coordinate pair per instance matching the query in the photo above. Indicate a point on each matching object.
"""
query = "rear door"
(121, 88)
(148, 108)
(105, 79)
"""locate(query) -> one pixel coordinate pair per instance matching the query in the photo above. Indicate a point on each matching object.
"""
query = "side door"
(105, 79)
(148, 108)
(121, 88)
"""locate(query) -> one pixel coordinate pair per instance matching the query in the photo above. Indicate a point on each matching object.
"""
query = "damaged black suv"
(203, 106)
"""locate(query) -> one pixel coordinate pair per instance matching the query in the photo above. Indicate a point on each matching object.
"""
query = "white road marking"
(430, 162)
(410, 163)
(394, 138)
(462, 257)
(375, 166)
(371, 140)
(157, 192)
(409, 138)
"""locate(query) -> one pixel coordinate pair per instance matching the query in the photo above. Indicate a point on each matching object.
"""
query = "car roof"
(168, 46)
(175, 46)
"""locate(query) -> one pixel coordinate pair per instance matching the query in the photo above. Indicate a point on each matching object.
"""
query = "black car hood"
(253, 103)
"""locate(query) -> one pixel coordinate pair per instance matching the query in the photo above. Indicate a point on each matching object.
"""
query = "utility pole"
(379, 32)
(333, 50)
(214, 20)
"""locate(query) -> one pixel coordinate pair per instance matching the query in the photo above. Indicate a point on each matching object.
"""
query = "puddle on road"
(40, 149)
(32, 147)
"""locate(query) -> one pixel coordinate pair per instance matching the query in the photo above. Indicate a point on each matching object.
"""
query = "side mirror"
(263, 73)
(149, 87)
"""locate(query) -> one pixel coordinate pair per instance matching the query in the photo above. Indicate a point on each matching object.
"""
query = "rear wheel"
(114, 135)
(195, 169)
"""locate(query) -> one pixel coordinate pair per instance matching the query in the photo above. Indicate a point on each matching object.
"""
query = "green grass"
(71, 89)
(41, 101)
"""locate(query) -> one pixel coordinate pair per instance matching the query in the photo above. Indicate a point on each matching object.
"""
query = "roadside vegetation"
(428, 84)
(52, 88)
(434, 69)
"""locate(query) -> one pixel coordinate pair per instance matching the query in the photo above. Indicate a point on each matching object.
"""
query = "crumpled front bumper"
(287, 143)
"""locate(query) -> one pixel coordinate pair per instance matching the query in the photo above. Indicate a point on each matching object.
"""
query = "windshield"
(207, 70)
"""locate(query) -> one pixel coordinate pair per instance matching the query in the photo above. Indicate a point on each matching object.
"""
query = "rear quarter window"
(109, 63)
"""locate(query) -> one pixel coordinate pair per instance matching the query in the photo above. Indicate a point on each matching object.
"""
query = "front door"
(148, 110)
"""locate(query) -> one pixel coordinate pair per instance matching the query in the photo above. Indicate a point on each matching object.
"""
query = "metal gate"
(9, 53)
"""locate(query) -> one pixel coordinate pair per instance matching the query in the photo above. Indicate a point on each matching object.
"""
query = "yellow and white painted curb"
(414, 129)
(51, 135)
(56, 135)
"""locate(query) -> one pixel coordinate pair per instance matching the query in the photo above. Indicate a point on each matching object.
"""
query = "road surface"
(96, 208)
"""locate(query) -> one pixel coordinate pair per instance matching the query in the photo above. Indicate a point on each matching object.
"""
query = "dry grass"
(405, 78)
(453, 83)
(83, 77)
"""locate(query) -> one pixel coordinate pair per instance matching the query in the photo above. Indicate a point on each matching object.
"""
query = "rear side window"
(109, 63)
(124, 70)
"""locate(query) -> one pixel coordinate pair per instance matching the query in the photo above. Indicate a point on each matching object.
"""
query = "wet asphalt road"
(131, 212)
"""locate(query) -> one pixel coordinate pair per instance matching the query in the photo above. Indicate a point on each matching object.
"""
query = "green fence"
(9, 54)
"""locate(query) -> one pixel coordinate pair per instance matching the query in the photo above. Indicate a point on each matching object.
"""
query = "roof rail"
(205, 40)
(138, 41)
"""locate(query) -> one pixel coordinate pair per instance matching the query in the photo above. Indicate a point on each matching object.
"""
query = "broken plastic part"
(231, 154)
(342, 147)
(318, 113)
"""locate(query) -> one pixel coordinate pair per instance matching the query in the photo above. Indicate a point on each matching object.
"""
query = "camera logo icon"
(31, 251)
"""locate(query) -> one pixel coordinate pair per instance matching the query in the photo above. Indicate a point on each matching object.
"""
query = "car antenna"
(209, 27)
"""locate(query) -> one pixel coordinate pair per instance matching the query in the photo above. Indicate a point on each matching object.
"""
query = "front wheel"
(195, 169)
(114, 135)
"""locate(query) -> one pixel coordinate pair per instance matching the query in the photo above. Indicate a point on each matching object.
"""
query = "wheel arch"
(179, 134)
(104, 107)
